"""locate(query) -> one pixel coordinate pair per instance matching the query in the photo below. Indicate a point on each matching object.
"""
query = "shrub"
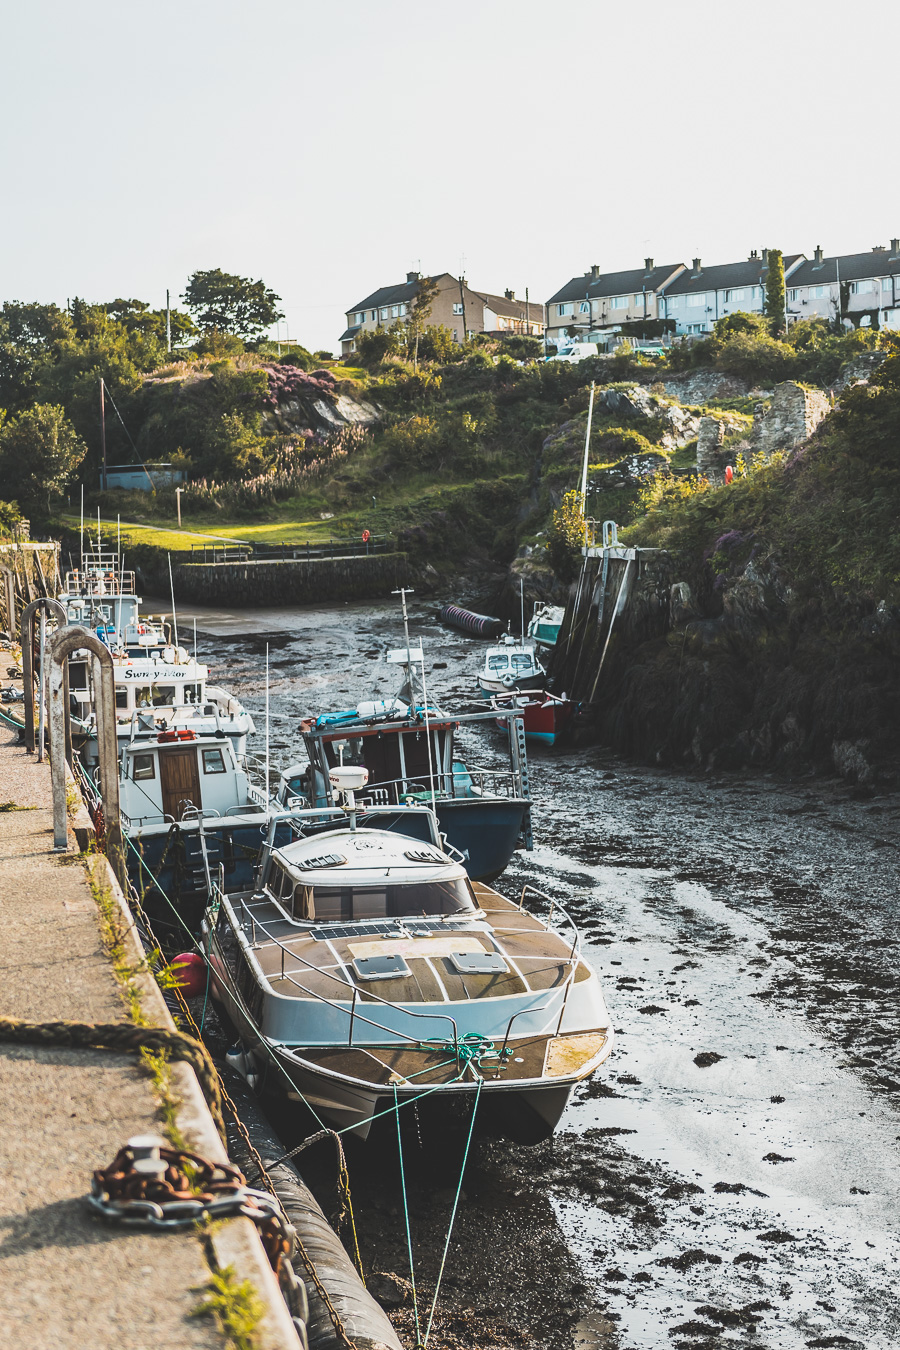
(566, 537)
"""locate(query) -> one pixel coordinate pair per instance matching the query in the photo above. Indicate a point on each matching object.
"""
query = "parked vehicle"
(575, 351)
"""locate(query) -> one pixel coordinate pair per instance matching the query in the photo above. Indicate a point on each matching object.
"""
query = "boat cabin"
(167, 679)
(404, 758)
(180, 774)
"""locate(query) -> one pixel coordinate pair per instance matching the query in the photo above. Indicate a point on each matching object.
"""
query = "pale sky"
(331, 147)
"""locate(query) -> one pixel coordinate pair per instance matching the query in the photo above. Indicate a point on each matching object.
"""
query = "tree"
(39, 450)
(775, 290)
(419, 311)
(136, 316)
(31, 336)
(222, 302)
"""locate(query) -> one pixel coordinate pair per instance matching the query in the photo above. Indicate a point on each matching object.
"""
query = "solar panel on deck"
(415, 927)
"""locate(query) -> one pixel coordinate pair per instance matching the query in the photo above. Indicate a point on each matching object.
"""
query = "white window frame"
(564, 309)
(457, 307)
(620, 302)
(695, 301)
(584, 307)
(383, 312)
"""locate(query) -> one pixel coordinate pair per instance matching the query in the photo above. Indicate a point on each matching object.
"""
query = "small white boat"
(511, 667)
(372, 971)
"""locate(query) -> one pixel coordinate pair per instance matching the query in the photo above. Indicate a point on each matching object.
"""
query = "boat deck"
(300, 965)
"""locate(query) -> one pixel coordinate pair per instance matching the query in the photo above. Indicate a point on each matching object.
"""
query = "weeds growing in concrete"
(235, 1305)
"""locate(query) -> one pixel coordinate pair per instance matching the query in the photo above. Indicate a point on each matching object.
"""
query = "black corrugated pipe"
(364, 1320)
(482, 625)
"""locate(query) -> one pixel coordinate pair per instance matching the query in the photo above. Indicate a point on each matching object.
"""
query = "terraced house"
(863, 288)
(700, 295)
(457, 307)
(597, 305)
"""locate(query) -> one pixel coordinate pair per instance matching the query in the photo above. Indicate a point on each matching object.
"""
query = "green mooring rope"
(412, 1269)
(462, 1172)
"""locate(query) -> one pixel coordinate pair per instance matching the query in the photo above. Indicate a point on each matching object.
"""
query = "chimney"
(765, 257)
(697, 267)
(817, 256)
(895, 247)
(878, 248)
(411, 277)
(510, 295)
(648, 264)
(595, 272)
(754, 255)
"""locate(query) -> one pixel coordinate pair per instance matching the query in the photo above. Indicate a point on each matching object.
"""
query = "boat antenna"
(522, 607)
(172, 590)
(82, 534)
(267, 721)
(195, 638)
(587, 442)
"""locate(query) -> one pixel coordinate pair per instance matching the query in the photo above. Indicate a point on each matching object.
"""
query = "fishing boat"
(544, 716)
(100, 595)
(366, 971)
(512, 667)
(410, 754)
(189, 812)
(545, 623)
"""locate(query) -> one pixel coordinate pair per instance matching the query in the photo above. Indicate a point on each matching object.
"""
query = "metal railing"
(294, 551)
(257, 926)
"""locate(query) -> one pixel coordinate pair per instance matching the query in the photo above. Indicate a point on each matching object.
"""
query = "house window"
(886, 284)
(374, 316)
(696, 327)
(457, 308)
(793, 295)
(143, 767)
(395, 311)
(361, 317)
(383, 313)
(696, 300)
(818, 292)
(402, 309)
(732, 297)
(584, 307)
(640, 299)
(563, 309)
(862, 287)
(619, 302)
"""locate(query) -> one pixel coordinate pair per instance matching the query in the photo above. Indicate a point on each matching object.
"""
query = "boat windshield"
(409, 901)
(498, 662)
(522, 661)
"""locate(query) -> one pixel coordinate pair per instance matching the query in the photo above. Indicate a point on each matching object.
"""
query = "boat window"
(522, 661)
(392, 902)
(162, 695)
(192, 693)
(143, 767)
(213, 761)
(121, 698)
(78, 675)
(498, 662)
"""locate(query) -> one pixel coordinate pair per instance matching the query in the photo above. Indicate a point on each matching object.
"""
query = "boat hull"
(485, 830)
(527, 684)
(544, 721)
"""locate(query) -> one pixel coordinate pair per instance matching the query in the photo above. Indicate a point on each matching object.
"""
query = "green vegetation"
(775, 291)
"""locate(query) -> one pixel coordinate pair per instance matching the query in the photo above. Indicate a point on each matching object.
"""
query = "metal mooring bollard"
(70, 639)
(26, 635)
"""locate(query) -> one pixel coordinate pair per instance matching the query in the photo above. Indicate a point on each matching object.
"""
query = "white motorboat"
(511, 667)
(365, 970)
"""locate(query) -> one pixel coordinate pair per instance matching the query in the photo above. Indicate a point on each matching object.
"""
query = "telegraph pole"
(168, 323)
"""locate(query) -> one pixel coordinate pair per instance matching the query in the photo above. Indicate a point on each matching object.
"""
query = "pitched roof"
(514, 309)
(393, 295)
(750, 272)
(350, 333)
(878, 262)
(615, 283)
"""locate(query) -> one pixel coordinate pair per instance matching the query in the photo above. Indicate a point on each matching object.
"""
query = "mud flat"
(730, 1179)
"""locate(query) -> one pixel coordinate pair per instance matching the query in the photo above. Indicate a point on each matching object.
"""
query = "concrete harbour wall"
(298, 581)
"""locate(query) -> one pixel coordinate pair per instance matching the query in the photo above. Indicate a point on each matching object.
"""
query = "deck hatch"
(380, 967)
(424, 855)
(323, 860)
(479, 963)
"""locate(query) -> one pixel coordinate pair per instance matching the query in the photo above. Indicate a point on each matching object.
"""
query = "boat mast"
(172, 590)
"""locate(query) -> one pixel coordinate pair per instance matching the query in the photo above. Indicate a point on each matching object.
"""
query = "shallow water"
(750, 1200)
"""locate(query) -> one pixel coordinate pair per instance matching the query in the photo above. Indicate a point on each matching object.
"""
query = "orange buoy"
(729, 473)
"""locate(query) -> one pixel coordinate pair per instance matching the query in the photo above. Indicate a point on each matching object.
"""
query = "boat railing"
(574, 951)
(458, 783)
(258, 926)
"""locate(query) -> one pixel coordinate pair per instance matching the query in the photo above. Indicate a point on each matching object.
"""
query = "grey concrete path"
(66, 1278)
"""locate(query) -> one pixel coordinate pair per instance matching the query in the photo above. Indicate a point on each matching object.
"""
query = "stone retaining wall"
(293, 582)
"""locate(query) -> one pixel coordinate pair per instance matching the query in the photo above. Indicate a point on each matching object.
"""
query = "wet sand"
(730, 1178)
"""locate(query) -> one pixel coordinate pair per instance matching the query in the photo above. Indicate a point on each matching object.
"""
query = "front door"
(180, 780)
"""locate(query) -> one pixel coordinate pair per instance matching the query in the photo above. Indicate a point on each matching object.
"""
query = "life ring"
(366, 536)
